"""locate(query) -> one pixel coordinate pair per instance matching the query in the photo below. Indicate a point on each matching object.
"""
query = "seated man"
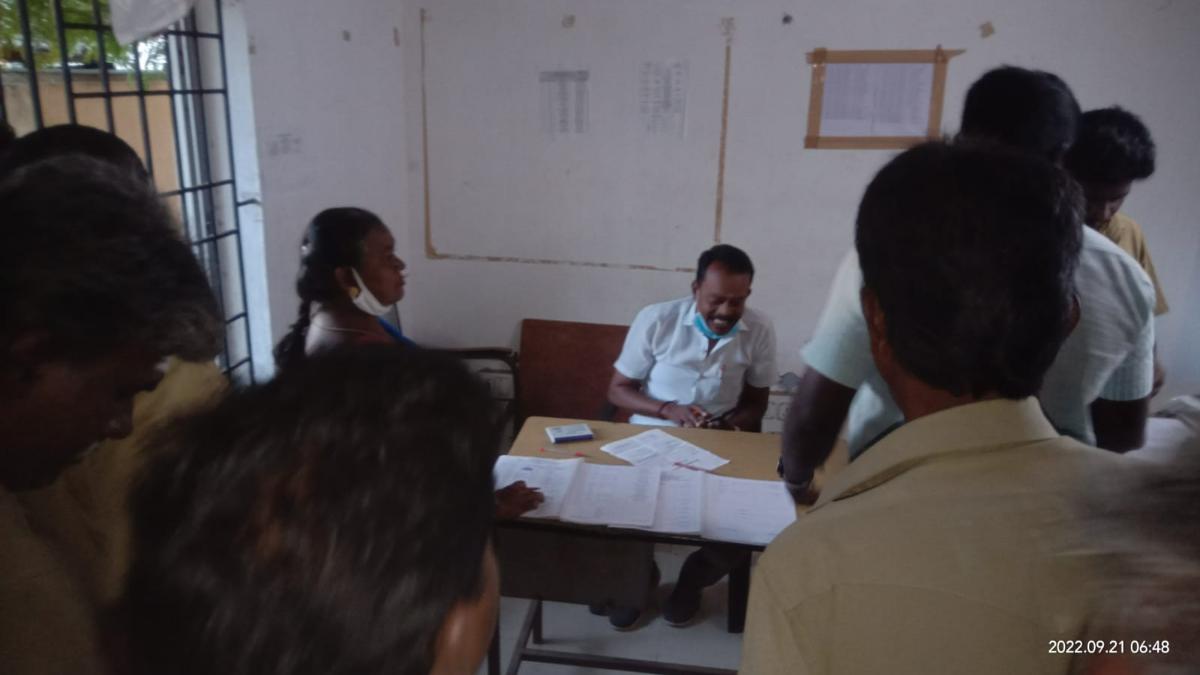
(701, 361)
(935, 551)
(95, 290)
(1114, 149)
(334, 520)
(1098, 388)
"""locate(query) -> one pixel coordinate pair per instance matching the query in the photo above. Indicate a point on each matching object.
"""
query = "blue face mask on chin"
(702, 326)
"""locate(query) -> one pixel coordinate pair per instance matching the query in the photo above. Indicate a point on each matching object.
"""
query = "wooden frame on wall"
(818, 58)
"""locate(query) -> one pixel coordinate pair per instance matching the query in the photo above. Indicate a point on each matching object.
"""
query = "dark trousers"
(708, 565)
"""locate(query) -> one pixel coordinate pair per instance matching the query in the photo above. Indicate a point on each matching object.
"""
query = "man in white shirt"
(702, 361)
(706, 360)
(1098, 388)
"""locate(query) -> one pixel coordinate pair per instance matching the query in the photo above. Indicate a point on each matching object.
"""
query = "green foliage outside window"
(82, 46)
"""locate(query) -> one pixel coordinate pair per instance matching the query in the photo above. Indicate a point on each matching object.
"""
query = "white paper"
(662, 97)
(134, 20)
(876, 99)
(680, 502)
(745, 511)
(658, 448)
(613, 495)
(564, 103)
(552, 476)
(1168, 440)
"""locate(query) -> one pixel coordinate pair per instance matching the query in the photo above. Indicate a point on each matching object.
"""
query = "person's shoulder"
(1115, 270)
(1123, 222)
(756, 318)
(1066, 466)
(667, 310)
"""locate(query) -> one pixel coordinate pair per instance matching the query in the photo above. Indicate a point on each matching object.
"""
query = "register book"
(675, 500)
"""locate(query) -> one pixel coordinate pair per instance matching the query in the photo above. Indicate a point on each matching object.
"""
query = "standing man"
(1114, 149)
(1098, 389)
(940, 549)
(702, 361)
(96, 290)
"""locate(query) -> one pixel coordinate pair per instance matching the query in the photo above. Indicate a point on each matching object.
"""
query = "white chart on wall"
(597, 155)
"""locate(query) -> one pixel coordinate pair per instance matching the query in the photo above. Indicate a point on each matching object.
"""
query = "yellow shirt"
(1126, 233)
(936, 551)
(83, 516)
(47, 626)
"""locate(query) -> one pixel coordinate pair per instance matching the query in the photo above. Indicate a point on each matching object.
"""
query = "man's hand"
(517, 499)
(685, 415)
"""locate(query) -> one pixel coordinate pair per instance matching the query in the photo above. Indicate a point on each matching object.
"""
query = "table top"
(750, 455)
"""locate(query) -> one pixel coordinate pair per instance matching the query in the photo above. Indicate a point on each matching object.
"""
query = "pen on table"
(692, 468)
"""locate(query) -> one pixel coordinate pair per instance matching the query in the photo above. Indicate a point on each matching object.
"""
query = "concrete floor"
(573, 628)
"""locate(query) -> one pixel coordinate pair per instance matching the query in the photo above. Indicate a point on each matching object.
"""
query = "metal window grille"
(168, 97)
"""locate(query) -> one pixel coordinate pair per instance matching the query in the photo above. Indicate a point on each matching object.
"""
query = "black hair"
(1029, 110)
(333, 239)
(91, 259)
(324, 522)
(971, 253)
(1113, 146)
(70, 139)
(7, 136)
(732, 258)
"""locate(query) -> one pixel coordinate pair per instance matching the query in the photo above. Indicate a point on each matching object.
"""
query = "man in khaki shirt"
(68, 377)
(938, 549)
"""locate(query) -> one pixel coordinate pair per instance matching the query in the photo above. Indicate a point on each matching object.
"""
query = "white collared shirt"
(670, 356)
(1109, 355)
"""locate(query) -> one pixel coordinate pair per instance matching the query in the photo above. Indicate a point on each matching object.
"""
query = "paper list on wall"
(658, 448)
(564, 101)
(552, 476)
(613, 495)
(745, 511)
(662, 97)
(876, 99)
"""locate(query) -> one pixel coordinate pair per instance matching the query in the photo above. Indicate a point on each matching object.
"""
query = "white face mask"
(365, 300)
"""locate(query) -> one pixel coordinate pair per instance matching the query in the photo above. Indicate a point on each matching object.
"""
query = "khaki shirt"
(936, 551)
(1126, 233)
(84, 515)
(47, 626)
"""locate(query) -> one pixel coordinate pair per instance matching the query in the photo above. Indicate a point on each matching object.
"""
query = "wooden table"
(750, 455)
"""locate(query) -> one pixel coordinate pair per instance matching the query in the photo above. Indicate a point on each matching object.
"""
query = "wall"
(338, 95)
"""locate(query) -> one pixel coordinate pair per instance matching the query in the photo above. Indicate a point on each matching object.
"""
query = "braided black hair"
(333, 239)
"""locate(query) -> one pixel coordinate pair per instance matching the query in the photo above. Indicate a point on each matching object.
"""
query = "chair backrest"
(564, 368)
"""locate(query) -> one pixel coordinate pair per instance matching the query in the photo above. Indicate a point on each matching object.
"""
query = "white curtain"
(134, 20)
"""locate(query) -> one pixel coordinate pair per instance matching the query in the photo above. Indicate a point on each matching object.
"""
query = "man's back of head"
(334, 520)
(968, 254)
(1028, 110)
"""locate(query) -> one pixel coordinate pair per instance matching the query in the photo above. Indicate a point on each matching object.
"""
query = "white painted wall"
(353, 105)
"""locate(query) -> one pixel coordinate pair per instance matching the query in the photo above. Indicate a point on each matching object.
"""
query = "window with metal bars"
(168, 97)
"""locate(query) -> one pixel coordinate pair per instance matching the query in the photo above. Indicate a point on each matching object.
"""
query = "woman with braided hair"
(349, 278)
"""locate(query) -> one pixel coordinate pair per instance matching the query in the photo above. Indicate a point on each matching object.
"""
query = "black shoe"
(626, 618)
(682, 607)
(599, 608)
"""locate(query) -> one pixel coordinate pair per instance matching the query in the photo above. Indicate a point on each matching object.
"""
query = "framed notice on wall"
(875, 99)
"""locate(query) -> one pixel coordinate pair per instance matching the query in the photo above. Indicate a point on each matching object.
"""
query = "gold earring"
(354, 292)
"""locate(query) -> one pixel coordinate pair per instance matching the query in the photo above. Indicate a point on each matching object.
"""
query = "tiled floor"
(573, 628)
